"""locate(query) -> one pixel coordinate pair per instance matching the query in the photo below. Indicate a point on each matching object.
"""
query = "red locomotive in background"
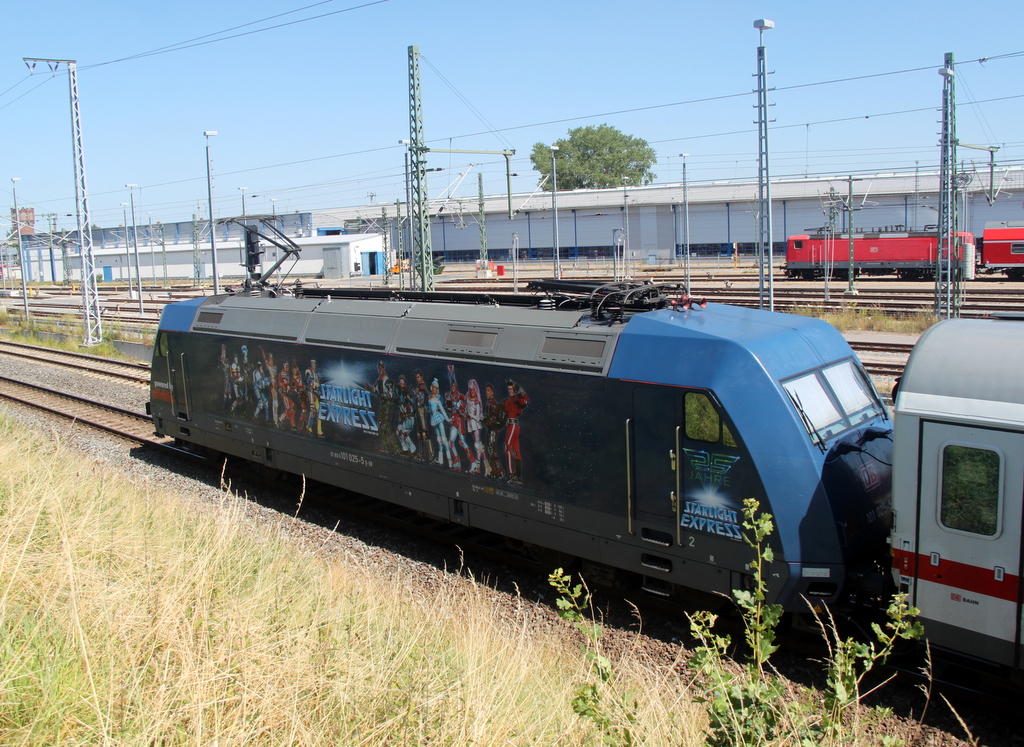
(908, 254)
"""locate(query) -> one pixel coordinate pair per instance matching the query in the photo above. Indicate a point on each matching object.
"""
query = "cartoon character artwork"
(299, 396)
(272, 379)
(406, 418)
(470, 430)
(384, 389)
(475, 426)
(237, 391)
(421, 396)
(440, 421)
(225, 366)
(284, 388)
(514, 405)
(260, 386)
(312, 383)
(248, 396)
(494, 422)
(455, 405)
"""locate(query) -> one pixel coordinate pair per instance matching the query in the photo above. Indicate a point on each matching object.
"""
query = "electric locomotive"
(908, 254)
(623, 425)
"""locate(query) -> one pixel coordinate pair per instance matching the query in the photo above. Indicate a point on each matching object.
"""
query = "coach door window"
(971, 480)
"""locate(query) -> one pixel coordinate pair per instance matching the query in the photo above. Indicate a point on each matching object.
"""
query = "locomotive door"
(653, 433)
(179, 392)
(971, 485)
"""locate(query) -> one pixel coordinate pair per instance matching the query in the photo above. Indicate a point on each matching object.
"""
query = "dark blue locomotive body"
(629, 445)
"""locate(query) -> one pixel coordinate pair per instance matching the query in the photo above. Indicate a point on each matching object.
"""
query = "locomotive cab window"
(820, 415)
(970, 494)
(162, 346)
(798, 244)
(703, 423)
(854, 393)
(833, 399)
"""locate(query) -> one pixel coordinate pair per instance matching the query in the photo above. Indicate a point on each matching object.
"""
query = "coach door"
(969, 538)
(653, 435)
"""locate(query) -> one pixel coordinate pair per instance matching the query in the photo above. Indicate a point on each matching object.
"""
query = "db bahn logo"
(956, 597)
(869, 476)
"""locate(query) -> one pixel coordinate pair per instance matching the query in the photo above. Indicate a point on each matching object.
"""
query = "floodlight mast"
(764, 187)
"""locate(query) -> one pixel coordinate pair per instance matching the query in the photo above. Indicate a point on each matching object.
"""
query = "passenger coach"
(959, 485)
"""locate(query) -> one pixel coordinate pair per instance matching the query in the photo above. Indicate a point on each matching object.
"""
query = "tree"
(596, 158)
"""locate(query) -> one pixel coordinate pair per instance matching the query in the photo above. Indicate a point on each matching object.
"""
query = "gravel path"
(428, 564)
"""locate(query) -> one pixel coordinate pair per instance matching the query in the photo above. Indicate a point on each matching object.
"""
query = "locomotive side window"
(798, 244)
(703, 423)
(162, 348)
(971, 478)
(1017, 248)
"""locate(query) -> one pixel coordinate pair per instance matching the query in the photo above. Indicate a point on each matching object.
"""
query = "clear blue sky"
(311, 113)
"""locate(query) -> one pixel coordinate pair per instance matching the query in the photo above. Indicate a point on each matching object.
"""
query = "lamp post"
(686, 229)
(242, 190)
(515, 262)
(625, 229)
(152, 247)
(127, 252)
(135, 244)
(21, 254)
(213, 230)
(554, 212)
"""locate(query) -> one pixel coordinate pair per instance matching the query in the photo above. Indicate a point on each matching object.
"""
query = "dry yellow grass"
(130, 617)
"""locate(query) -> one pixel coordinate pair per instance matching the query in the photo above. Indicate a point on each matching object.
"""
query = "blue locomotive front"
(629, 445)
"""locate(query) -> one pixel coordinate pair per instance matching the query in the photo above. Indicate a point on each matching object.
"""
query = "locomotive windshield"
(833, 399)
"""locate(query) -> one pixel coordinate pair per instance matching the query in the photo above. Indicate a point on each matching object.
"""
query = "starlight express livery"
(616, 424)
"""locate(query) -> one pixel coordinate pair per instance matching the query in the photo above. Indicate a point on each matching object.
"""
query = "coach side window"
(971, 478)
(703, 423)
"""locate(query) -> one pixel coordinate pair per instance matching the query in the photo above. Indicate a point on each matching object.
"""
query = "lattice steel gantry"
(948, 290)
(92, 322)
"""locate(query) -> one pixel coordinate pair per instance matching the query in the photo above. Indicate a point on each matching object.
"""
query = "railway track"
(128, 370)
(128, 424)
